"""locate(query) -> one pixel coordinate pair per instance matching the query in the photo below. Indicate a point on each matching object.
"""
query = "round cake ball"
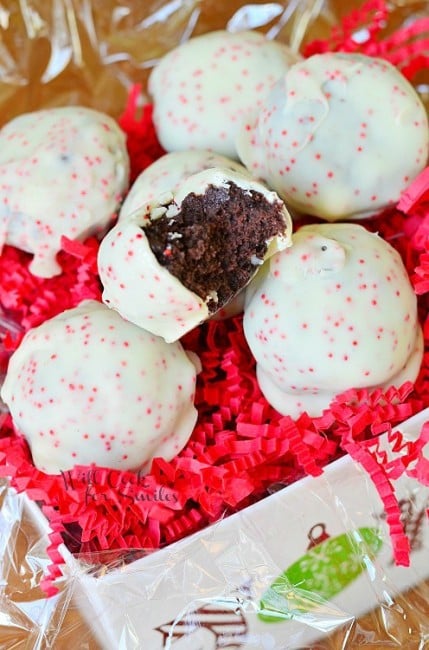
(88, 387)
(204, 88)
(171, 266)
(166, 174)
(334, 311)
(339, 135)
(63, 171)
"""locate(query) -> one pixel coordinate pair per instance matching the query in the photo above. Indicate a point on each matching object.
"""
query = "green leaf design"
(320, 574)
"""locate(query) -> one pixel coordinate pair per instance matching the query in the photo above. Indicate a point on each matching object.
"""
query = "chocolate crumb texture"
(215, 241)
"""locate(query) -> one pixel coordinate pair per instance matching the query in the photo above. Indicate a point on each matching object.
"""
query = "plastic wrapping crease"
(205, 591)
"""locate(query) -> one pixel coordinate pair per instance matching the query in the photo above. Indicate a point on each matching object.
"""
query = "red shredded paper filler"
(241, 447)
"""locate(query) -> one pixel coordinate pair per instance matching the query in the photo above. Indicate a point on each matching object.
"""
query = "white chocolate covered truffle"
(63, 171)
(334, 311)
(169, 267)
(165, 175)
(203, 89)
(339, 135)
(89, 387)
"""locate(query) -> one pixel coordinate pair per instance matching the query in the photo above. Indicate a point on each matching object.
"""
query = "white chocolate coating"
(339, 135)
(63, 171)
(223, 177)
(334, 311)
(203, 89)
(142, 290)
(145, 292)
(165, 175)
(88, 387)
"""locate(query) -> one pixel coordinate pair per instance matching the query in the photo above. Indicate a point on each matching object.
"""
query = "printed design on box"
(330, 565)
(413, 518)
(225, 627)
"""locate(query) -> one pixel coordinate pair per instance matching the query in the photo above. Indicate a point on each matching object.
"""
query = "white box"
(204, 592)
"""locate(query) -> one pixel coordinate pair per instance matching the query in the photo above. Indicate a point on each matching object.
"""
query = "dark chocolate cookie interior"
(215, 241)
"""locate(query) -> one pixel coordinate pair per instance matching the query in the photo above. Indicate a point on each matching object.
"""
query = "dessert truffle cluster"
(89, 386)
(250, 130)
(334, 311)
(205, 88)
(192, 251)
(63, 172)
(339, 136)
